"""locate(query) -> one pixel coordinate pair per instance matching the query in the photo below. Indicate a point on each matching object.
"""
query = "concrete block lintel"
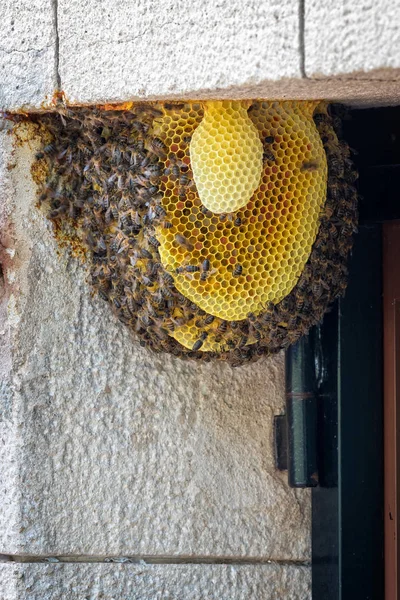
(162, 582)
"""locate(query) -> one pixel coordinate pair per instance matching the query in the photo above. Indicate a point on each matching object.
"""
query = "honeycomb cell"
(238, 254)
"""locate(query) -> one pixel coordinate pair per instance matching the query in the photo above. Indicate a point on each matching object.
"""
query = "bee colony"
(213, 229)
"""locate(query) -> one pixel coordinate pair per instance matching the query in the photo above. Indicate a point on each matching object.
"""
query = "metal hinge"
(295, 432)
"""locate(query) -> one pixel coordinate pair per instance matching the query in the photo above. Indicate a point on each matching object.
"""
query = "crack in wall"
(56, 46)
(150, 560)
(302, 47)
(25, 50)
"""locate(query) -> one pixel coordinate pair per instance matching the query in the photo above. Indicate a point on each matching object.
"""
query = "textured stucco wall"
(27, 53)
(153, 582)
(345, 37)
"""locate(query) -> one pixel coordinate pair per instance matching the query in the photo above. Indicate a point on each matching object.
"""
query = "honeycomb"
(226, 157)
(118, 185)
(234, 264)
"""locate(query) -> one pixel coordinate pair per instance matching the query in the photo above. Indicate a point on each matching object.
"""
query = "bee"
(336, 166)
(268, 156)
(342, 285)
(169, 324)
(153, 241)
(205, 269)
(101, 246)
(102, 272)
(152, 189)
(351, 176)
(345, 215)
(120, 182)
(269, 139)
(188, 269)
(165, 292)
(160, 211)
(272, 309)
(167, 278)
(125, 221)
(166, 224)
(105, 201)
(207, 320)
(321, 118)
(174, 105)
(115, 301)
(257, 335)
(103, 295)
(176, 171)
(198, 344)
(50, 149)
(139, 146)
(120, 243)
(327, 211)
(237, 271)
(332, 229)
(144, 253)
(183, 242)
(347, 229)
(158, 147)
(310, 166)
(153, 170)
(184, 180)
(222, 327)
(238, 222)
(183, 301)
(58, 212)
(149, 109)
(317, 289)
(205, 211)
(243, 341)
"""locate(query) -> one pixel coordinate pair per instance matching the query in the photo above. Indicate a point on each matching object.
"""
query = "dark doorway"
(357, 341)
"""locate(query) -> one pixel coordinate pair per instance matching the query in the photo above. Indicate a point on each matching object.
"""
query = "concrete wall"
(180, 582)
(98, 50)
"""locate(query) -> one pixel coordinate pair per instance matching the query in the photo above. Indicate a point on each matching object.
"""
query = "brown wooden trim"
(391, 333)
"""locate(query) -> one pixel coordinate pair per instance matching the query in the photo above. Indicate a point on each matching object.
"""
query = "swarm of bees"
(103, 188)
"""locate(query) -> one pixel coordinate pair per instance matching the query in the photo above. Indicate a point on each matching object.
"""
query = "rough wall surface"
(27, 53)
(160, 48)
(347, 37)
(156, 582)
(9, 439)
(116, 451)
